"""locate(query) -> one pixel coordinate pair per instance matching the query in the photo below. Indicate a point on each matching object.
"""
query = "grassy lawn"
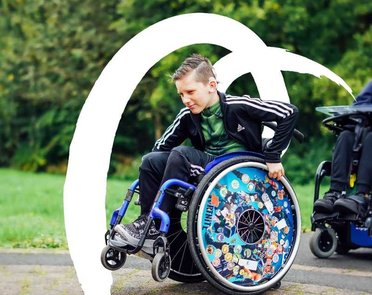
(31, 208)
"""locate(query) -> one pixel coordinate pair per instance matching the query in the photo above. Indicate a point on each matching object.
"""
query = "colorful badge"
(245, 178)
(223, 191)
(235, 184)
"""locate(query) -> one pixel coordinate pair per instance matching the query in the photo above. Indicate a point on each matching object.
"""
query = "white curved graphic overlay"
(236, 64)
(90, 150)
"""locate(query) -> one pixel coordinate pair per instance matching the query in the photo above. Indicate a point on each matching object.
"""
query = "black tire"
(323, 243)
(183, 268)
(277, 285)
(112, 259)
(161, 265)
(107, 236)
(200, 198)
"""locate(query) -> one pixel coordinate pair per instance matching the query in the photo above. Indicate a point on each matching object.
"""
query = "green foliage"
(52, 54)
(301, 161)
(125, 168)
(53, 51)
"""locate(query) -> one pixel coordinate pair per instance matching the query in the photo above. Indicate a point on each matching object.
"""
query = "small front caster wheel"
(161, 266)
(112, 259)
(277, 285)
(323, 243)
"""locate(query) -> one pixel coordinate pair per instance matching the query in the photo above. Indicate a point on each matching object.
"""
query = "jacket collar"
(222, 102)
(197, 117)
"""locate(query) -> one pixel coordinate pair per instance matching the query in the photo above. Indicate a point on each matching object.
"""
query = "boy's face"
(196, 95)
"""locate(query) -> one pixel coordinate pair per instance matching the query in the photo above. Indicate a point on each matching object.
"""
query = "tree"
(53, 51)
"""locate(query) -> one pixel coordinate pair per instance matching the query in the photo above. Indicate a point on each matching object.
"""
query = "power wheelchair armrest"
(348, 121)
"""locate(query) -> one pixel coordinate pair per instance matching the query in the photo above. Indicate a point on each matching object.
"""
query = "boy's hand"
(276, 170)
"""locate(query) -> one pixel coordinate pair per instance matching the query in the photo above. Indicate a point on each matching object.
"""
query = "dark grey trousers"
(181, 162)
(341, 162)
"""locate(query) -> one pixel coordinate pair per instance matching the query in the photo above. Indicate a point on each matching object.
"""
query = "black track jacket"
(242, 117)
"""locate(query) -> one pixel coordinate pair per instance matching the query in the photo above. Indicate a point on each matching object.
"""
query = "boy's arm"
(282, 136)
(175, 134)
(285, 115)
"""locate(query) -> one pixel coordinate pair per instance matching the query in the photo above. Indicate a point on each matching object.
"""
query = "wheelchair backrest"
(227, 156)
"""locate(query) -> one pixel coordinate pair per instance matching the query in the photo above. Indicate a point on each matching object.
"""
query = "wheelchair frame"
(335, 232)
(270, 253)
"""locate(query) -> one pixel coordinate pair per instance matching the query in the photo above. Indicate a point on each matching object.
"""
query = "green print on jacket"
(217, 142)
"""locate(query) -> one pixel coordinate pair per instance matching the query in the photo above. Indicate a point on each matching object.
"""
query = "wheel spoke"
(177, 233)
(183, 255)
(183, 244)
(251, 226)
(258, 217)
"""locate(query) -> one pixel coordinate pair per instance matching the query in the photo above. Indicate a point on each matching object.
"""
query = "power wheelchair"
(337, 232)
(242, 233)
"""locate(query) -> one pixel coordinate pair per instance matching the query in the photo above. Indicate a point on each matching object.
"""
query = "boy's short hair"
(202, 65)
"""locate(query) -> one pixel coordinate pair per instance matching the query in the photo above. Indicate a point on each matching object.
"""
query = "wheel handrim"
(222, 267)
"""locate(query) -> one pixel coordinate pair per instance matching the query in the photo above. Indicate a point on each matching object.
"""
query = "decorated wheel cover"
(247, 227)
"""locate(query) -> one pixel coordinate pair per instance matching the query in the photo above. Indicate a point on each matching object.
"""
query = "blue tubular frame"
(118, 214)
(156, 212)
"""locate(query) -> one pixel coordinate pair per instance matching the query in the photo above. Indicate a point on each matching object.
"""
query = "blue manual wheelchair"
(336, 231)
(242, 233)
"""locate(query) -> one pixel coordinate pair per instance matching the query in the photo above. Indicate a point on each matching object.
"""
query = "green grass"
(305, 196)
(31, 208)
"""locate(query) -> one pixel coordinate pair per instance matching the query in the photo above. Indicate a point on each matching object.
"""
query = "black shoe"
(132, 233)
(325, 205)
(354, 204)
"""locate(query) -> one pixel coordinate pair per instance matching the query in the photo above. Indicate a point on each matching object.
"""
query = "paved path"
(51, 272)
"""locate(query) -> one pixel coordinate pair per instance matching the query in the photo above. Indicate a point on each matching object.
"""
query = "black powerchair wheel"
(243, 227)
(323, 242)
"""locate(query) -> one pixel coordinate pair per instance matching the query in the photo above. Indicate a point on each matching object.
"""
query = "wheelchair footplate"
(113, 255)
(317, 218)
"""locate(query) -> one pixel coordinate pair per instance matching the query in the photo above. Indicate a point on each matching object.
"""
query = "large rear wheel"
(243, 227)
(183, 268)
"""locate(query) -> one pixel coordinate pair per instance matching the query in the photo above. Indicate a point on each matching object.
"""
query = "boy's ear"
(212, 83)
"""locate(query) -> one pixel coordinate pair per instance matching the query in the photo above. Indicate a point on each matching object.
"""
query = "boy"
(216, 124)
